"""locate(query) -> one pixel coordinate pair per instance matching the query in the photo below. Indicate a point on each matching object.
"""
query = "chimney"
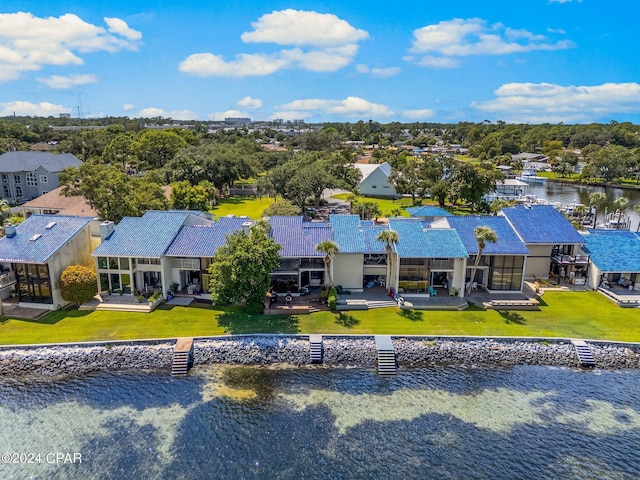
(10, 230)
(106, 228)
(246, 226)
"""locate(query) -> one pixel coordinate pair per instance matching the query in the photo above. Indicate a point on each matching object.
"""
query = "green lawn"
(386, 204)
(563, 314)
(240, 206)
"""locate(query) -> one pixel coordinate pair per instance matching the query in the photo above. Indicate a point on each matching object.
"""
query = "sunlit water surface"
(247, 422)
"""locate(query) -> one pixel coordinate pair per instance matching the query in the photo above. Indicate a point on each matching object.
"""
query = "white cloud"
(563, 1)
(378, 72)
(299, 27)
(63, 83)
(120, 27)
(127, 107)
(151, 112)
(545, 102)
(42, 109)
(250, 102)
(28, 43)
(331, 41)
(459, 37)
(421, 114)
(350, 107)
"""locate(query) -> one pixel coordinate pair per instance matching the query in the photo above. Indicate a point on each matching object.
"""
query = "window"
(18, 192)
(102, 263)
(5, 191)
(31, 179)
(4, 178)
(44, 179)
(17, 179)
(124, 264)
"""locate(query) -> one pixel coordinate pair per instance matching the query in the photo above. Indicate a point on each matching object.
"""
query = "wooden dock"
(585, 355)
(387, 364)
(182, 357)
(315, 348)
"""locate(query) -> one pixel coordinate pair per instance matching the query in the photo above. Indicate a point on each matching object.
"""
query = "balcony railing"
(572, 259)
(7, 278)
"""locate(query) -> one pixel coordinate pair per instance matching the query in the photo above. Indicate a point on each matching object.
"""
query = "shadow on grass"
(346, 320)
(239, 322)
(49, 319)
(412, 315)
(541, 302)
(512, 317)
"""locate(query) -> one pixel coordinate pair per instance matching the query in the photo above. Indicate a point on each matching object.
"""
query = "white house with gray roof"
(375, 180)
(27, 175)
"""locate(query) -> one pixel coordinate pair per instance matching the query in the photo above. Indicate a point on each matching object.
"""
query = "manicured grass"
(563, 314)
(386, 204)
(240, 206)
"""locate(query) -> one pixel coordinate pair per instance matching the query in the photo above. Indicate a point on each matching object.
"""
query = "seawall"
(53, 360)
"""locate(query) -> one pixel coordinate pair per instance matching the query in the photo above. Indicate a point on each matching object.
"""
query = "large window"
(17, 179)
(33, 283)
(18, 192)
(505, 273)
(413, 269)
(44, 179)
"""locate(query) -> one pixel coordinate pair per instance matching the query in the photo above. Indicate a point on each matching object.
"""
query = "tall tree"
(597, 199)
(329, 249)
(636, 208)
(78, 284)
(155, 148)
(620, 203)
(389, 238)
(482, 234)
(240, 269)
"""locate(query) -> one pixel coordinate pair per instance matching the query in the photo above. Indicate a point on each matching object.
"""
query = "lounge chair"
(432, 291)
(453, 292)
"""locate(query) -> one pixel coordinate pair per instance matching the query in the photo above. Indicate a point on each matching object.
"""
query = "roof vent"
(50, 225)
(35, 237)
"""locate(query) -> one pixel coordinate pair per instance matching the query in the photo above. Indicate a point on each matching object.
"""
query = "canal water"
(568, 194)
(296, 423)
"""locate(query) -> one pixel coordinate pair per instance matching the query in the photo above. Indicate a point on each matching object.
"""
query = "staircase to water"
(315, 348)
(584, 352)
(182, 356)
(387, 364)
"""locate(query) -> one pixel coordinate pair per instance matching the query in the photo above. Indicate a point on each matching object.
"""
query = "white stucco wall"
(538, 262)
(381, 183)
(347, 270)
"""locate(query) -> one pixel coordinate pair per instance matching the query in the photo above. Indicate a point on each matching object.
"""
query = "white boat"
(529, 176)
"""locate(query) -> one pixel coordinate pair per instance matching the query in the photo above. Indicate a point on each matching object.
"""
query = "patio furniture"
(453, 292)
(474, 286)
(432, 291)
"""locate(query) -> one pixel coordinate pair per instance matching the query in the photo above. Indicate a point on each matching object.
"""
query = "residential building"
(301, 265)
(615, 258)
(34, 253)
(375, 180)
(502, 264)
(428, 213)
(552, 241)
(55, 202)
(27, 175)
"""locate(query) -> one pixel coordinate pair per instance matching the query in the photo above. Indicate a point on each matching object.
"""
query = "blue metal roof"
(298, 238)
(508, 241)
(542, 224)
(203, 240)
(21, 249)
(146, 236)
(346, 233)
(444, 243)
(412, 240)
(428, 211)
(613, 250)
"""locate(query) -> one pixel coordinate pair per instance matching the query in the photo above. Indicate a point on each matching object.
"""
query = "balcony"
(7, 279)
(571, 259)
(372, 259)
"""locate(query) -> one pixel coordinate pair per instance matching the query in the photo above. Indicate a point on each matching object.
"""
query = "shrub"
(78, 284)
(332, 299)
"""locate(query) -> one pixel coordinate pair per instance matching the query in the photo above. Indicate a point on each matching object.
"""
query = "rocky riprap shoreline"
(293, 350)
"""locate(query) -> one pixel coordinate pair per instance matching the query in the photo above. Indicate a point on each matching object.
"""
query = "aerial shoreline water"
(60, 360)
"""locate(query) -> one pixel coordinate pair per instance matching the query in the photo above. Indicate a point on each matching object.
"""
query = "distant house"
(27, 175)
(35, 253)
(55, 202)
(428, 213)
(375, 179)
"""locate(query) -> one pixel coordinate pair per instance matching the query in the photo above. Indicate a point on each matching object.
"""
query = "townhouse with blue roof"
(133, 256)
(502, 265)
(615, 258)
(428, 213)
(34, 253)
(428, 258)
(301, 265)
(552, 241)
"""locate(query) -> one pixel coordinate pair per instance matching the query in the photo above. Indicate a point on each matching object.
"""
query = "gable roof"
(416, 242)
(298, 238)
(147, 236)
(353, 235)
(613, 250)
(428, 211)
(54, 200)
(508, 241)
(29, 161)
(542, 224)
(368, 168)
(204, 240)
(22, 249)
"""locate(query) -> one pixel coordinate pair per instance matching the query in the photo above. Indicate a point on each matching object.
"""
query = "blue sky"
(532, 61)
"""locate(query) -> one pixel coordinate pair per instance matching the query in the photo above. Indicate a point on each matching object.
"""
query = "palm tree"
(389, 237)
(580, 210)
(620, 203)
(329, 249)
(596, 199)
(483, 235)
(636, 208)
